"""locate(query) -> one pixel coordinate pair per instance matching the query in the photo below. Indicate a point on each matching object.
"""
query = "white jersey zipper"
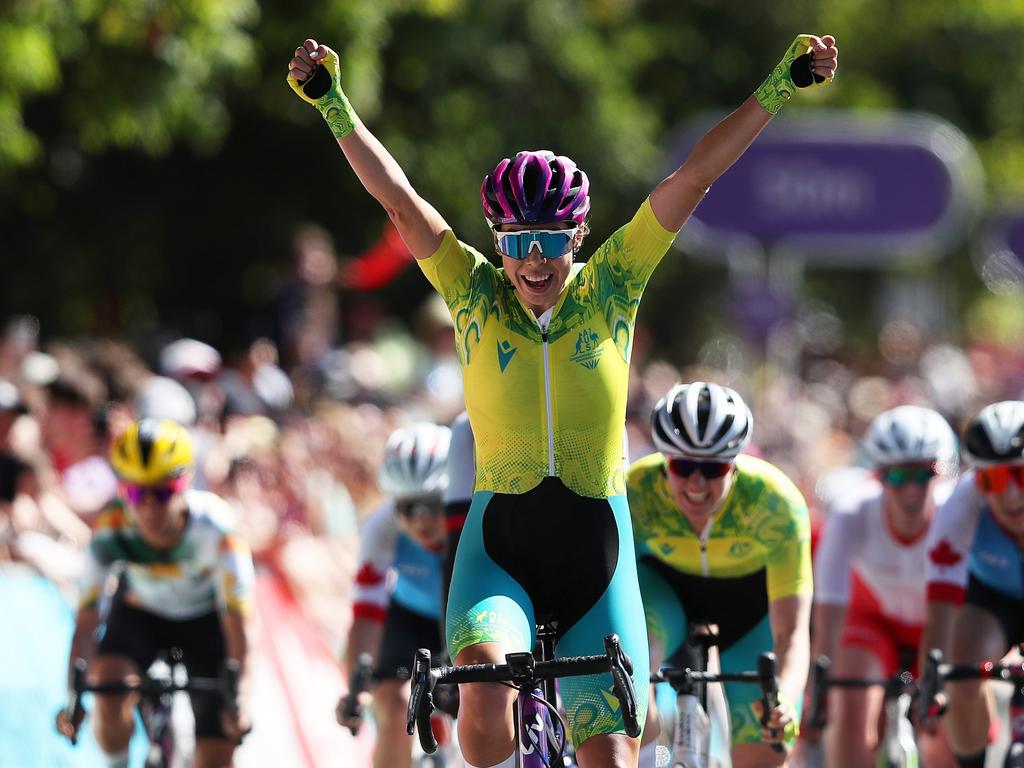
(704, 534)
(542, 323)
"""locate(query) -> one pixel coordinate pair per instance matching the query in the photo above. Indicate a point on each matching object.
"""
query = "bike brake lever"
(770, 691)
(822, 664)
(622, 681)
(421, 702)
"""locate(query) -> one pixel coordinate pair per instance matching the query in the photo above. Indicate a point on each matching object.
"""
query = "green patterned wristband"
(776, 89)
(338, 112)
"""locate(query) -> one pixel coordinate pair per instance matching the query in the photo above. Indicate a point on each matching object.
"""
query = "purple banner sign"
(842, 188)
(1005, 233)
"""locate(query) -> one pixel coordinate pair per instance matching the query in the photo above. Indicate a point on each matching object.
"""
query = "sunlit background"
(159, 181)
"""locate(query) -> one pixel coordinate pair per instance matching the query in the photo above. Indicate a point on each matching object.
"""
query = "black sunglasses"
(709, 470)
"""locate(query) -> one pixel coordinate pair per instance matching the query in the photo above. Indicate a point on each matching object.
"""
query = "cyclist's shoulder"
(112, 517)
(464, 256)
(208, 510)
(765, 486)
(643, 473)
(754, 470)
(378, 533)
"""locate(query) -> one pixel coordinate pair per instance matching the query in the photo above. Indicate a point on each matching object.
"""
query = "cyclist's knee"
(391, 700)
(213, 753)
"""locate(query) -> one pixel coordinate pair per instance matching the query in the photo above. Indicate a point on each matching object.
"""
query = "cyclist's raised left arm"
(675, 198)
(314, 74)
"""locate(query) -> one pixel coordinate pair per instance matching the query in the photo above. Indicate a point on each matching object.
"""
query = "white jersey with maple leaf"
(966, 542)
(860, 546)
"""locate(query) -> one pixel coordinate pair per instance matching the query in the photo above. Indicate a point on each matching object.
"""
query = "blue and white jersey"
(965, 540)
(393, 566)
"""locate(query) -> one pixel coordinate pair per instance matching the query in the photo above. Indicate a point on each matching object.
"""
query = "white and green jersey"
(209, 568)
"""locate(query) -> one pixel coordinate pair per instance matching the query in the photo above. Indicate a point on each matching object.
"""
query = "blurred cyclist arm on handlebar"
(790, 618)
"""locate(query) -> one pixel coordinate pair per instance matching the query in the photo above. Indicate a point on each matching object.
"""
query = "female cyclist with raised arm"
(545, 355)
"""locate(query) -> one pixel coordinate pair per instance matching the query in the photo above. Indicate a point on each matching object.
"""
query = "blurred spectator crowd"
(291, 430)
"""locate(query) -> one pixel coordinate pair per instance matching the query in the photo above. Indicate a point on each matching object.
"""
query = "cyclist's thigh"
(855, 711)
(977, 636)
(485, 604)
(590, 707)
(112, 668)
(404, 632)
(664, 614)
(132, 633)
(203, 652)
(986, 625)
(742, 656)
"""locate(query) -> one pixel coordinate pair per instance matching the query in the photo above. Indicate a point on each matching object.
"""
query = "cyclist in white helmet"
(869, 574)
(723, 538)
(397, 604)
(975, 589)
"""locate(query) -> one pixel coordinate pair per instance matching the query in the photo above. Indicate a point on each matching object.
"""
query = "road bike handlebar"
(765, 676)
(524, 672)
(362, 676)
(225, 686)
(898, 683)
(936, 673)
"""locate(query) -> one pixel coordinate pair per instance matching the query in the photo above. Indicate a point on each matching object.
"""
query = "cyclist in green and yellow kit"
(544, 349)
(723, 538)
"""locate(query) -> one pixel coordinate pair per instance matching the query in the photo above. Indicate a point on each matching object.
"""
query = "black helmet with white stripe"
(995, 435)
(702, 420)
(910, 434)
(415, 461)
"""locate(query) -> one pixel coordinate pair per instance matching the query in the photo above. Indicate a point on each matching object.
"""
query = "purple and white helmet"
(535, 188)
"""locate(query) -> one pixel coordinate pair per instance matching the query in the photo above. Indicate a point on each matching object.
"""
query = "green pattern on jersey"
(588, 344)
(763, 523)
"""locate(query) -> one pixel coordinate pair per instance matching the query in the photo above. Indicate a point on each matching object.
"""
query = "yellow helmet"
(151, 451)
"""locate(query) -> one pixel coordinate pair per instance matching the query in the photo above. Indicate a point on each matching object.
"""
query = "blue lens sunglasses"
(552, 243)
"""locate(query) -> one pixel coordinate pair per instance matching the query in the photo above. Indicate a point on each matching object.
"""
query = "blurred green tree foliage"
(153, 164)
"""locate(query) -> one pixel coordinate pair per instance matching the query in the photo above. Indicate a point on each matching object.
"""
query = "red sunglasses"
(135, 493)
(995, 479)
(709, 470)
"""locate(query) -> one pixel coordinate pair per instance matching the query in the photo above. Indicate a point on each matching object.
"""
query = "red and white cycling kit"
(865, 565)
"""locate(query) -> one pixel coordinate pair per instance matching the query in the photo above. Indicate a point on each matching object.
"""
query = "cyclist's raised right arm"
(420, 225)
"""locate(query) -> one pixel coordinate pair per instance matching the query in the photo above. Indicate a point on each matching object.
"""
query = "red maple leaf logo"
(368, 576)
(944, 555)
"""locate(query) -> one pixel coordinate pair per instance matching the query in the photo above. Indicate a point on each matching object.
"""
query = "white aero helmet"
(910, 434)
(702, 420)
(996, 435)
(415, 461)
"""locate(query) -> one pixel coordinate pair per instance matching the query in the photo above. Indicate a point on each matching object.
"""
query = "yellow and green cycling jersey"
(552, 402)
(762, 524)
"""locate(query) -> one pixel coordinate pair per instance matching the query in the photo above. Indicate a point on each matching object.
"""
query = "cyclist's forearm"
(790, 618)
(827, 621)
(420, 225)
(675, 198)
(364, 636)
(236, 639)
(938, 628)
(793, 654)
(83, 641)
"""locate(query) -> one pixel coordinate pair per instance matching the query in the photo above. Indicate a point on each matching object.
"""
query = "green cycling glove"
(794, 71)
(323, 91)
